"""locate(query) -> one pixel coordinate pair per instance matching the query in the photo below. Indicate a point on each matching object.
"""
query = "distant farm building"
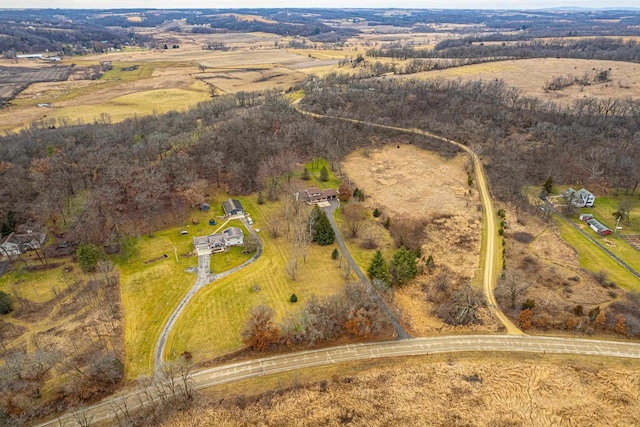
(581, 198)
(31, 56)
(232, 207)
(15, 244)
(598, 227)
(218, 242)
(586, 217)
(314, 195)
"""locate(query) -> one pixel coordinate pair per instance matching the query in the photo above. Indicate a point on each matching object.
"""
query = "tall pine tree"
(378, 269)
(321, 227)
(404, 266)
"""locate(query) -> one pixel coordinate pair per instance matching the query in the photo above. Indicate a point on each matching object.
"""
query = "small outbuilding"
(598, 227)
(232, 207)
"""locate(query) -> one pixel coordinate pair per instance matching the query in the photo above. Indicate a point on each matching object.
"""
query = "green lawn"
(594, 259)
(603, 212)
(360, 255)
(150, 292)
(315, 167)
(212, 322)
(606, 206)
(36, 286)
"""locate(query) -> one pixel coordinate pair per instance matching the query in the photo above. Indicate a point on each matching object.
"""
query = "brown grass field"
(409, 182)
(625, 77)
(447, 390)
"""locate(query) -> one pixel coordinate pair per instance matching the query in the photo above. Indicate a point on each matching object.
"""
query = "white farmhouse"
(581, 198)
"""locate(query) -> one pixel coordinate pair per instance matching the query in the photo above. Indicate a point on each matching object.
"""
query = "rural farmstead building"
(314, 195)
(581, 198)
(232, 207)
(218, 242)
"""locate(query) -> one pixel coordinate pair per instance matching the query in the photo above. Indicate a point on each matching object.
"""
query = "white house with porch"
(218, 242)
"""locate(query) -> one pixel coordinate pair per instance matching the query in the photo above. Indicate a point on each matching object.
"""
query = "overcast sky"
(421, 4)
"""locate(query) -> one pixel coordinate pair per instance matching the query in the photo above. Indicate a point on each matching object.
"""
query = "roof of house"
(231, 205)
(597, 224)
(584, 193)
(211, 240)
(313, 190)
(232, 232)
(21, 239)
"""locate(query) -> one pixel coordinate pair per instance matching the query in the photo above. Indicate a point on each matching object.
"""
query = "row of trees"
(400, 271)
(588, 48)
(352, 312)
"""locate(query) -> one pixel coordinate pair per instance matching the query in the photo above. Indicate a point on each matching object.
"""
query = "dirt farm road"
(489, 217)
(104, 410)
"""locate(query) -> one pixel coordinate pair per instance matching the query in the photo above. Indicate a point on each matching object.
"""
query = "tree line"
(590, 48)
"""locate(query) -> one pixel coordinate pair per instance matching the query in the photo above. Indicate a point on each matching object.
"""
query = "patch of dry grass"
(408, 182)
(625, 77)
(477, 389)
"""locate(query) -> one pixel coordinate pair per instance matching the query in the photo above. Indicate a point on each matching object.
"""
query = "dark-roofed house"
(15, 244)
(314, 195)
(232, 207)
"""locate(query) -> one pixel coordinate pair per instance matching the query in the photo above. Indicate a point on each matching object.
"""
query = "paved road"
(353, 352)
(204, 278)
(489, 268)
(400, 332)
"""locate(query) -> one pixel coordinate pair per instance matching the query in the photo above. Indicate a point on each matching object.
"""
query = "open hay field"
(625, 77)
(212, 322)
(408, 183)
(474, 389)
(151, 81)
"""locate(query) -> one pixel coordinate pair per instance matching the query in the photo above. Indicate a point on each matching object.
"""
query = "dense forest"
(133, 177)
(101, 182)
(521, 139)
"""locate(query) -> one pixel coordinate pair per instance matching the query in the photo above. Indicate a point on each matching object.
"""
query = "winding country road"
(106, 409)
(514, 341)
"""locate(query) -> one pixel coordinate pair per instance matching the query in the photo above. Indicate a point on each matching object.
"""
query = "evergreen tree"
(378, 269)
(404, 266)
(324, 174)
(320, 225)
(305, 174)
(548, 185)
(5, 303)
(260, 198)
(376, 213)
(335, 254)
(88, 256)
